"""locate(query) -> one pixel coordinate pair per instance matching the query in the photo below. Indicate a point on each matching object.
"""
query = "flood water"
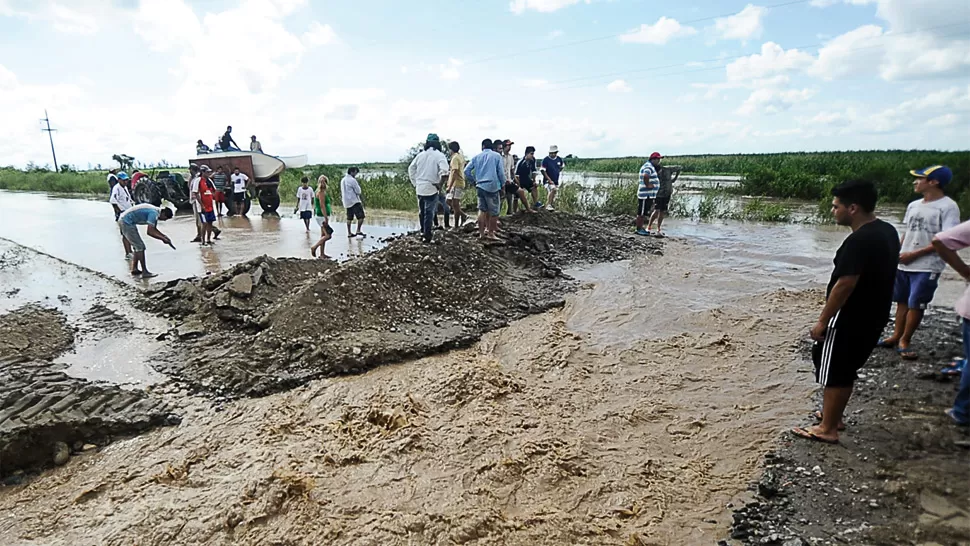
(705, 266)
(83, 232)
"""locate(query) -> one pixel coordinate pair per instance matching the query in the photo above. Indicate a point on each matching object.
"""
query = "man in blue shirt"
(148, 215)
(487, 171)
(647, 190)
(552, 166)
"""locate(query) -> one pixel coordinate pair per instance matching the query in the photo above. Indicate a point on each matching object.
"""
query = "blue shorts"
(488, 201)
(915, 288)
(207, 217)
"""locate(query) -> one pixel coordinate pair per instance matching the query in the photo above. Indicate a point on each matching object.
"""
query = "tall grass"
(810, 175)
(90, 182)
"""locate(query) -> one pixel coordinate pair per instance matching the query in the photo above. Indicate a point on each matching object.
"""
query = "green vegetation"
(767, 177)
(810, 175)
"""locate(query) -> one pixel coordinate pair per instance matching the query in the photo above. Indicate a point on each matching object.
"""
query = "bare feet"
(325, 257)
(313, 251)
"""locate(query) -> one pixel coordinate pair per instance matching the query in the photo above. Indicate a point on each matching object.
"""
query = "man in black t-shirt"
(857, 304)
(525, 176)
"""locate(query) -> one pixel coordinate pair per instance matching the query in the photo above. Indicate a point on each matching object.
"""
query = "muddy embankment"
(271, 324)
(45, 415)
(901, 473)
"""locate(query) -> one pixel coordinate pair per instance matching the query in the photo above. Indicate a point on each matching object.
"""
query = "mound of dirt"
(34, 333)
(270, 324)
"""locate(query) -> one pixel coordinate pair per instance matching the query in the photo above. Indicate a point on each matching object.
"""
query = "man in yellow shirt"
(456, 183)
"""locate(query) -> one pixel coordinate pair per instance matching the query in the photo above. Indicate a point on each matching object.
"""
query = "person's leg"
(921, 290)
(660, 219)
(653, 218)
(552, 195)
(360, 223)
(427, 205)
(961, 405)
(137, 261)
(913, 319)
(350, 222)
(834, 401)
(523, 197)
(641, 206)
(447, 210)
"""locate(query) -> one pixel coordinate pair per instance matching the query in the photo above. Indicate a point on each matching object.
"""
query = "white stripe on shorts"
(827, 348)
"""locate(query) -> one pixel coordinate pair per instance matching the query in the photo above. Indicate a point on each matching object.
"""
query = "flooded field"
(633, 413)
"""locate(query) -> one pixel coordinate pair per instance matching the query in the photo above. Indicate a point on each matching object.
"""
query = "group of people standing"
(875, 268)
(496, 174)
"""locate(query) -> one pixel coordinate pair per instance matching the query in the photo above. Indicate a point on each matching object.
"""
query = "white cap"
(553, 148)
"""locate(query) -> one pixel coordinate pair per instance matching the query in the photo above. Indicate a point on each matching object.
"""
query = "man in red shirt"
(136, 175)
(207, 192)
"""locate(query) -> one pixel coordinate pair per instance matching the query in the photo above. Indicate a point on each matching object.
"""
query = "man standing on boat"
(226, 140)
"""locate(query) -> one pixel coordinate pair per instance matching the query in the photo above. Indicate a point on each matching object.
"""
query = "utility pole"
(51, 136)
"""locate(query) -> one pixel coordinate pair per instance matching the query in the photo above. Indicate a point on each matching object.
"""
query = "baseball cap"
(432, 137)
(205, 168)
(553, 149)
(123, 175)
(508, 142)
(656, 155)
(942, 175)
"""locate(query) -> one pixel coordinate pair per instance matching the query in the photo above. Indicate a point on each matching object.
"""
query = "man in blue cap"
(919, 264)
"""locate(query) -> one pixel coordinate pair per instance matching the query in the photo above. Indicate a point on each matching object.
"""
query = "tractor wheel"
(269, 199)
(147, 192)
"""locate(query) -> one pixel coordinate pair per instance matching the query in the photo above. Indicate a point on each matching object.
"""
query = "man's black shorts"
(644, 206)
(356, 211)
(511, 190)
(527, 185)
(845, 349)
(662, 203)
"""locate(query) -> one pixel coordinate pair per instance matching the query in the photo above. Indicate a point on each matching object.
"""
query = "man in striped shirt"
(647, 190)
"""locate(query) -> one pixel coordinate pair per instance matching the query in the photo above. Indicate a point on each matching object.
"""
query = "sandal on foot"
(908, 353)
(818, 417)
(806, 434)
(950, 414)
(886, 344)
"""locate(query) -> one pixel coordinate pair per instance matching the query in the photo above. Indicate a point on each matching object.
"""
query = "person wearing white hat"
(552, 167)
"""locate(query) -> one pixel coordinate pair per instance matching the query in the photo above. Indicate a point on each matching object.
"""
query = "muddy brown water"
(631, 416)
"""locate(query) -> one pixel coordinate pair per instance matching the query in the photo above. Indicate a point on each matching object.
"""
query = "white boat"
(294, 161)
(264, 166)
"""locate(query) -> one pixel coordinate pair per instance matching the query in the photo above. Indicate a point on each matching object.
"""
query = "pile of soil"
(34, 333)
(268, 324)
(899, 474)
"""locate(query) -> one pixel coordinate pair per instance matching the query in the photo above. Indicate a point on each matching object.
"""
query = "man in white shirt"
(351, 196)
(304, 202)
(121, 201)
(239, 182)
(428, 171)
(919, 264)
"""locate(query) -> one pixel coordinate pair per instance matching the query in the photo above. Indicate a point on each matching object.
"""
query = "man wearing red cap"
(647, 191)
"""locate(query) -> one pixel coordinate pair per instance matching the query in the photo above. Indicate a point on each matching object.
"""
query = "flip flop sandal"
(959, 423)
(886, 344)
(908, 354)
(818, 417)
(805, 434)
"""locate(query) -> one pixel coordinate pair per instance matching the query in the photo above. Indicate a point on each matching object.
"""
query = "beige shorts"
(455, 193)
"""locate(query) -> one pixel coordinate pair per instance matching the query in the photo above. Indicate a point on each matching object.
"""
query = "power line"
(50, 135)
(608, 37)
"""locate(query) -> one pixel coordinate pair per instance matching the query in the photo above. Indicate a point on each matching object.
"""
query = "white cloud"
(913, 44)
(772, 101)
(946, 120)
(743, 25)
(449, 70)
(535, 83)
(542, 6)
(619, 86)
(554, 34)
(658, 33)
(773, 59)
(318, 35)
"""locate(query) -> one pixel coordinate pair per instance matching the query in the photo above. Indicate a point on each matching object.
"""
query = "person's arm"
(153, 232)
(501, 172)
(676, 170)
(468, 171)
(413, 171)
(952, 258)
(443, 171)
(837, 297)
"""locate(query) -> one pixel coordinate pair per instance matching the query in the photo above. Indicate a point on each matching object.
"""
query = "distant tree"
(65, 168)
(417, 149)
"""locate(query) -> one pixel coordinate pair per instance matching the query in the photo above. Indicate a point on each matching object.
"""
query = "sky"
(363, 80)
